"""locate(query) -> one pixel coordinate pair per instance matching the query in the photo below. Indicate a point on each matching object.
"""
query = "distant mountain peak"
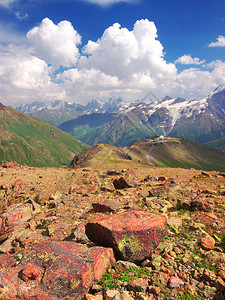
(218, 90)
(166, 98)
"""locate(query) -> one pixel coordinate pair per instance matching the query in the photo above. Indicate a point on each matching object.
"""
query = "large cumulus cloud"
(25, 77)
(50, 64)
(123, 53)
(57, 44)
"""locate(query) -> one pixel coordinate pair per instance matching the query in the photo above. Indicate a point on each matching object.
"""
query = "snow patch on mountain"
(179, 109)
(218, 90)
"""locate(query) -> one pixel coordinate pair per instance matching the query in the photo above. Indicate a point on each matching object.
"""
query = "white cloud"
(122, 62)
(108, 2)
(6, 3)
(24, 77)
(126, 54)
(186, 59)
(220, 42)
(20, 16)
(26, 72)
(56, 44)
(216, 64)
(197, 83)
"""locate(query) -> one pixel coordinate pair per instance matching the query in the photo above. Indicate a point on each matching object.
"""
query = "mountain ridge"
(168, 152)
(33, 142)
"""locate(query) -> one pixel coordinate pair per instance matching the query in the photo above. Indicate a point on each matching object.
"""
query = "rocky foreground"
(147, 233)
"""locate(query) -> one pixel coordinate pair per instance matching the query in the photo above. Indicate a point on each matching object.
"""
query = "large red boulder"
(132, 234)
(56, 270)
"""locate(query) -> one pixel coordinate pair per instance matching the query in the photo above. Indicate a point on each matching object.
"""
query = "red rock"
(202, 204)
(162, 178)
(169, 271)
(93, 297)
(127, 181)
(178, 250)
(71, 268)
(221, 174)
(208, 243)
(104, 206)
(220, 284)
(110, 294)
(161, 279)
(211, 215)
(161, 191)
(133, 234)
(30, 272)
(91, 189)
(11, 164)
(78, 234)
(106, 189)
(175, 282)
(155, 290)
(18, 182)
(66, 269)
(143, 192)
(208, 275)
(16, 212)
(113, 172)
(205, 174)
(190, 289)
(221, 273)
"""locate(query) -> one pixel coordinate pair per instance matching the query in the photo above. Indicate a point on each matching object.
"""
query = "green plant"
(222, 244)
(126, 277)
(187, 296)
(107, 281)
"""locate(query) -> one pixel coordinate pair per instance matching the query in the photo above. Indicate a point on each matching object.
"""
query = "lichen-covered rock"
(133, 234)
(16, 213)
(57, 270)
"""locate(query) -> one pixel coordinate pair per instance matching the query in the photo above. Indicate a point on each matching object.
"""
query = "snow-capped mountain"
(59, 111)
(198, 120)
(122, 123)
(217, 91)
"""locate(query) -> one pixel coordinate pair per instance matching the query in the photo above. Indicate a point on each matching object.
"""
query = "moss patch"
(129, 246)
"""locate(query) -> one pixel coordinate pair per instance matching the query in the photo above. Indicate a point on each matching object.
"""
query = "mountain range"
(33, 142)
(202, 121)
(58, 111)
(119, 123)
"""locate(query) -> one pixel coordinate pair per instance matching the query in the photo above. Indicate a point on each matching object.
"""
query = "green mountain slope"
(33, 142)
(122, 131)
(218, 144)
(115, 129)
(172, 152)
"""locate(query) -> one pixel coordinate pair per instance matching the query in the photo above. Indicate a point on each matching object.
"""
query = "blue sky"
(78, 50)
